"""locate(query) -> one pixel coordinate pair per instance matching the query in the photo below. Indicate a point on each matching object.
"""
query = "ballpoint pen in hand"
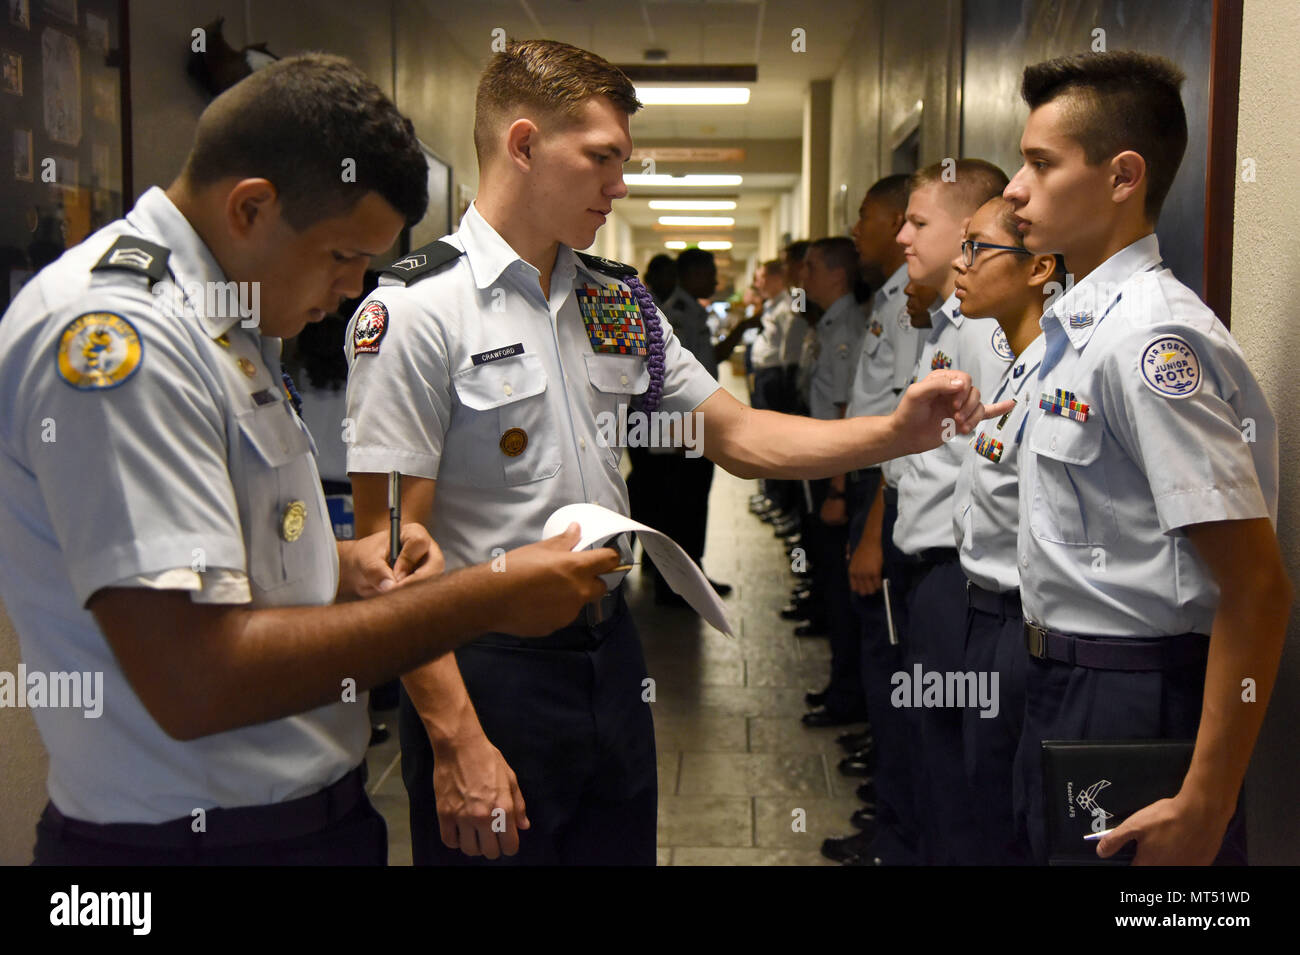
(394, 516)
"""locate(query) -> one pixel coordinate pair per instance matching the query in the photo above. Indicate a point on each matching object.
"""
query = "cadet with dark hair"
(174, 537)
(1150, 573)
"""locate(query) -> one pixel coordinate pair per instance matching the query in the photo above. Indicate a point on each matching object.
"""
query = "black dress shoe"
(796, 611)
(867, 792)
(848, 848)
(813, 628)
(852, 742)
(853, 766)
(720, 589)
(378, 733)
(864, 818)
(815, 697)
(822, 716)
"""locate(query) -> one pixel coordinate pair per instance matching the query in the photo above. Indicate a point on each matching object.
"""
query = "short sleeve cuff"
(373, 460)
(1205, 505)
(691, 395)
(148, 556)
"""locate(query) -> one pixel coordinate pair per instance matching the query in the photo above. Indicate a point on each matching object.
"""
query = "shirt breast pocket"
(504, 435)
(1071, 502)
(615, 380)
(277, 497)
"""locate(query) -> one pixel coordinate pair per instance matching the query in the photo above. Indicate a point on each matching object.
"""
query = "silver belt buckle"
(598, 611)
(1035, 640)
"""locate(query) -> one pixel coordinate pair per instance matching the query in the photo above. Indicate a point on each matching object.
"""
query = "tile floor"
(735, 764)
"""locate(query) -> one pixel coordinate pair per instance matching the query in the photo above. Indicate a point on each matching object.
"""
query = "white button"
(1053, 443)
(1024, 560)
(508, 389)
(623, 379)
(582, 443)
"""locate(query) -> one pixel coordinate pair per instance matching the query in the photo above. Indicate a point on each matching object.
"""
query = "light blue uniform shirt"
(424, 406)
(876, 380)
(986, 504)
(1164, 444)
(926, 482)
(838, 333)
(176, 475)
(766, 349)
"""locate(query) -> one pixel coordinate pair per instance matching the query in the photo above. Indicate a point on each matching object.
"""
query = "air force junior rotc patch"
(1170, 367)
(370, 328)
(1002, 347)
(612, 318)
(98, 350)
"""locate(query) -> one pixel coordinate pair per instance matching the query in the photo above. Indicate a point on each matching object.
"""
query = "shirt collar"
(948, 313)
(838, 307)
(1080, 310)
(490, 255)
(190, 261)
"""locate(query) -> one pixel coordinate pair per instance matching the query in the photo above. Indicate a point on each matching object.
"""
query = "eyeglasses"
(970, 248)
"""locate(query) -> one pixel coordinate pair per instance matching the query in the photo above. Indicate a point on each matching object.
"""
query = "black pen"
(394, 516)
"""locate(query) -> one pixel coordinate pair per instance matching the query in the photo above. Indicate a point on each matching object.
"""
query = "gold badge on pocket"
(513, 442)
(293, 520)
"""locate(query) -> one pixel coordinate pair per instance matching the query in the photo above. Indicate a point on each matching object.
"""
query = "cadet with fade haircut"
(1134, 454)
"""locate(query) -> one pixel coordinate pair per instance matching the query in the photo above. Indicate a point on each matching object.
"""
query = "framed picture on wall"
(62, 82)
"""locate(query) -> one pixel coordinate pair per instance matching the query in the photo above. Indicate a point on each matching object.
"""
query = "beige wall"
(900, 53)
(22, 766)
(1266, 321)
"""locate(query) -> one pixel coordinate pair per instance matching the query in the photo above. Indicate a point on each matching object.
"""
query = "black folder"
(1091, 785)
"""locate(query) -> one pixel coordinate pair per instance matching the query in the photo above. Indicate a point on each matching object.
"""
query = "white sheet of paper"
(682, 574)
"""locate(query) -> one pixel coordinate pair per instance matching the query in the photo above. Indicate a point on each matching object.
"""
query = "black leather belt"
(931, 556)
(1117, 653)
(992, 602)
(862, 474)
(225, 828)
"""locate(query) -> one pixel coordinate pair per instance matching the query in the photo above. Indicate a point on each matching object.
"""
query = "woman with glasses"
(997, 277)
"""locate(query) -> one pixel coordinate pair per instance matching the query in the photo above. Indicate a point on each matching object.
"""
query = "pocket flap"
(497, 383)
(1066, 440)
(273, 432)
(618, 374)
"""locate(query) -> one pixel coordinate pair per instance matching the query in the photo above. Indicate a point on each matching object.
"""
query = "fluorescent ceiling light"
(697, 220)
(675, 244)
(695, 179)
(693, 95)
(720, 245)
(693, 205)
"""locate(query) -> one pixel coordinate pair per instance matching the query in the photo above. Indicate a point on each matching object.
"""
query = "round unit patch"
(98, 350)
(1002, 347)
(513, 442)
(370, 328)
(1170, 367)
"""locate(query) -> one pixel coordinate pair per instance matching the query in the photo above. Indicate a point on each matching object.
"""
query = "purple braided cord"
(655, 337)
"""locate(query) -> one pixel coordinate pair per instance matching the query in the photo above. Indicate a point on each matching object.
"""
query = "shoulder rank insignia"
(98, 350)
(608, 266)
(423, 261)
(1065, 404)
(136, 255)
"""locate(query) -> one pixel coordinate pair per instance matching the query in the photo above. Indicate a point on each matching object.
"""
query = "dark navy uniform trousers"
(567, 713)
